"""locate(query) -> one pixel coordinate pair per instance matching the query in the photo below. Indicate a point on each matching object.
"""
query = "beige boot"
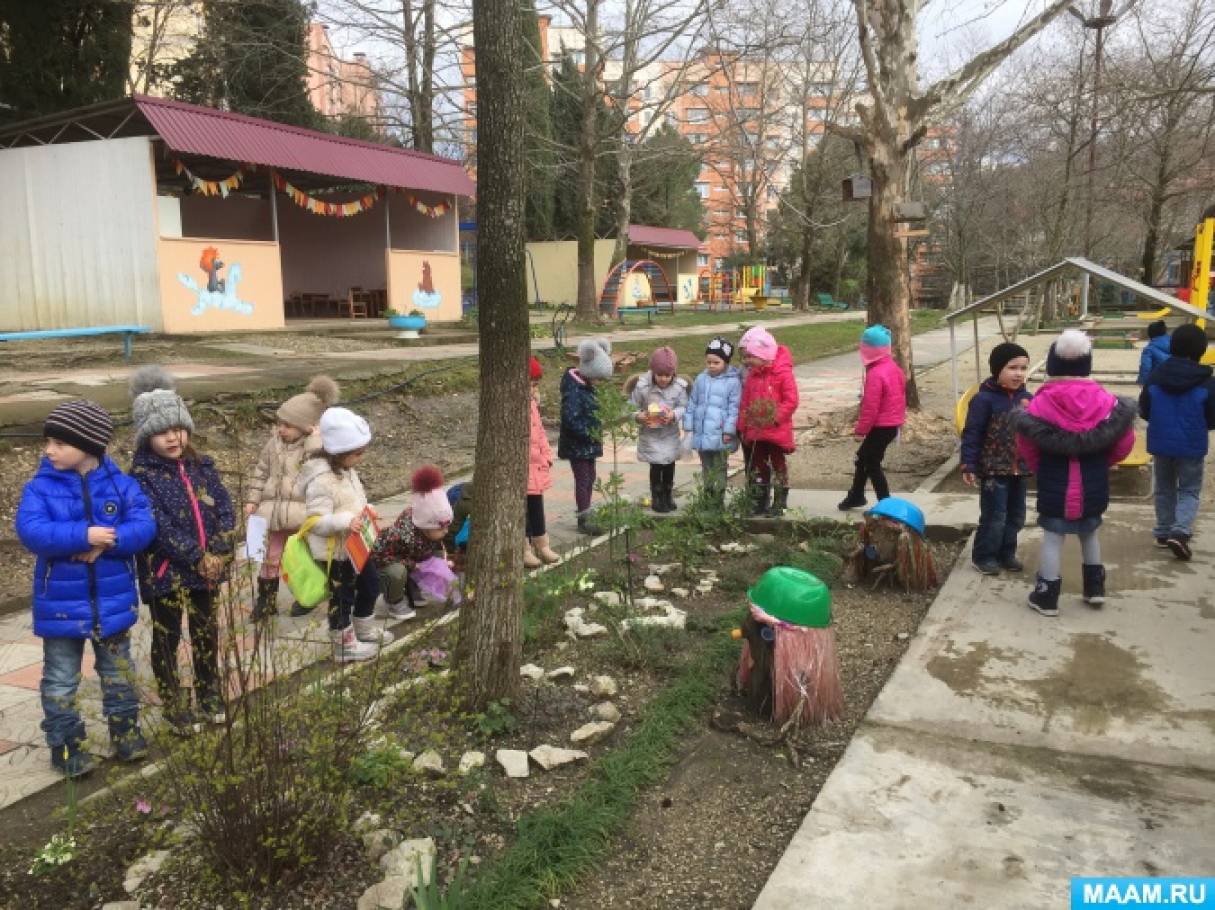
(540, 544)
(529, 558)
(347, 647)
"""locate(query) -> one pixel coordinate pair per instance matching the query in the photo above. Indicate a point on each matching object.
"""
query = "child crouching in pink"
(1069, 435)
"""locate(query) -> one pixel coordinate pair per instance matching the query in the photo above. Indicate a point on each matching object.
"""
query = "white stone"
(402, 860)
(592, 732)
(561, 673)
(581, 688)
(379, 842)
(662, 568)
(605, 710)
(555, 903)
(368, 821)
(654, 584)
(471, 760)
(591, 630)
(121, 905)
(652, 603)
(406, 755)
(671, 618)
(549, 757)
(579, 627)
(430, 762)
(603, 686)
(392, 893)
(609, 598)
(736, 547)
(680, 592)
(146, 865)
(903, 636)
(532, 672)
(513, 762)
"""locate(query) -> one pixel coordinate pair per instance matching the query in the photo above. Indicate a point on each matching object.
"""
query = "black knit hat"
(719, 347)
(1157, 328)
(1189, 342)
(1071, 355)
(1002, 353)
(82, 424)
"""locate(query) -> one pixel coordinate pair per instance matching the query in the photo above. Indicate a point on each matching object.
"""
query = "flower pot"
(409, 325)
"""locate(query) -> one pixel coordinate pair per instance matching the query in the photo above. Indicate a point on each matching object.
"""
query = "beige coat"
(272, 485)
(337, 499)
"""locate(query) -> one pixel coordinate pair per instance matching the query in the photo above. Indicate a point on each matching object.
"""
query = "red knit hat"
(534, 370)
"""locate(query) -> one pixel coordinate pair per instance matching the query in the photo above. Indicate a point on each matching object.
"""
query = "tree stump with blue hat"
(789, 668)
(891, 548)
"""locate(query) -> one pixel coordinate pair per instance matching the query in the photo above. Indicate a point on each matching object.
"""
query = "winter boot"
(658, 500)
(852, 501)
(369, 629)
(1045, 596)
(1094, 585)
(780, 500)
(347, 647)
(530, 560)
(668, 497)
(266, 604)
(71, 759)
(588, 527)
(760, 498)
(129, 744)
(542, 549)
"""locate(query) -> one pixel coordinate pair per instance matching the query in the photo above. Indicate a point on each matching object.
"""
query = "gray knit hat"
(303, 411)
(595, 358)
(155, 406)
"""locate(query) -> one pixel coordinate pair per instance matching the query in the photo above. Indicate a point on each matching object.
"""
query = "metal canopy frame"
(1086, 268)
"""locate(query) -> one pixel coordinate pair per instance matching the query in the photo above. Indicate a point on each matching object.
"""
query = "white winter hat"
(343, 431)
(595, 358)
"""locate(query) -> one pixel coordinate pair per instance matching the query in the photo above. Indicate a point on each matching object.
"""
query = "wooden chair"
(355, 304)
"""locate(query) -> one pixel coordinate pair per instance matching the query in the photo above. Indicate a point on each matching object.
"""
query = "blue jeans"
(61, 721)
(1178, 481)
(1001, 518)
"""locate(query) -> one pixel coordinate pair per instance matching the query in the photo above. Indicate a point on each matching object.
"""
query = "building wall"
(337, 86)
(237, 217)
(407, 279)
(252, 297)
(554, 265)
(323, 255)
(78, 233)
(412, 230)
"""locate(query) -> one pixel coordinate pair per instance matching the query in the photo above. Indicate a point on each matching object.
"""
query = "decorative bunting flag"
(654, 254)
(320, 207)
(422, 208)
(210, 187)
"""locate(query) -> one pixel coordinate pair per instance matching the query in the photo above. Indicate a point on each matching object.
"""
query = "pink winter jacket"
(1068, 413)
(539, 455)
(884, 401)
(769, 398)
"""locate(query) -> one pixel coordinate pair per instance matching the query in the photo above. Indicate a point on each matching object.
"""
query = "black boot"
(266, 604)
(1045, 596)
(668, 497)
(780, 500)
(760, 498)
(71, 759)
(588, 527)
(852, 501)
(129, 744)
(1094, 585)
(657, 502)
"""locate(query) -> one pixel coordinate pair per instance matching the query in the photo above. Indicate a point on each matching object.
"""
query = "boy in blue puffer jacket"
(1155, 352)
(712, 417)
(181, 571)
(1178, 402)
(85, 520)
(989, 460)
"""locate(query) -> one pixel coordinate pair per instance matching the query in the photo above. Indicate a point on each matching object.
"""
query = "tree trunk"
(588, 144)
(889, 286)
(1155, 211)
(624, 205)
(802, 301)
(491, 643)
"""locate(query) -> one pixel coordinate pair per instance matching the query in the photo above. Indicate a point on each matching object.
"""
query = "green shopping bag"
(307, 578)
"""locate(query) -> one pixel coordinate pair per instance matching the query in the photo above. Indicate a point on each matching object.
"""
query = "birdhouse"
(857, 187)
(910, 211)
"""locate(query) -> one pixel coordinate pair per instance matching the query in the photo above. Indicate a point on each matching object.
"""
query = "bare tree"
(491, 641)
(894, 118)
(160, 31)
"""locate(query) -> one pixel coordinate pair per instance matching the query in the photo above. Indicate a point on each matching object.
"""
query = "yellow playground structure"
(748, 286)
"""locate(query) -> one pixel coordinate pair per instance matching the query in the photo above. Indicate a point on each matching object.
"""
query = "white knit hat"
(343, 431)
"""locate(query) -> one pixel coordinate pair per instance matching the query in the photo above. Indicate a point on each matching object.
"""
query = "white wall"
(78, 235)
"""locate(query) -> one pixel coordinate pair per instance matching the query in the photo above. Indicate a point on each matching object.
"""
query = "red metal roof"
(193, 130)
(669, 238)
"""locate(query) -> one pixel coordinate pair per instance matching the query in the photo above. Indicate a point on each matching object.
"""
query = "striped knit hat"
(82, 424)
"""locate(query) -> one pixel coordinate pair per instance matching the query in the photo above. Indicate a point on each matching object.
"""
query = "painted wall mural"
(426, 297)
(220, 292)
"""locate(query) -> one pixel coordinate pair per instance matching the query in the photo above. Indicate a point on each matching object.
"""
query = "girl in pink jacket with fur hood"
(536, 550)
(883, 410)
(765, 420)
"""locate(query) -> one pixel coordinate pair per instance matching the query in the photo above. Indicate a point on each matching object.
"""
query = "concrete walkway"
(1009, 752)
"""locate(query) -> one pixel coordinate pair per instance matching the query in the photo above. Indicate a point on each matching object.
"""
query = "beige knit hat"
(304, 411)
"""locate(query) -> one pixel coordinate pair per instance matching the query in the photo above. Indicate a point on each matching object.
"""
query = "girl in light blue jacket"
(712, 416)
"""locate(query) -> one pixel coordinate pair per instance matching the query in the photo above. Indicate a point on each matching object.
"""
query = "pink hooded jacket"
(776, 383)
(1065, 413)
(539, 455)
(884, 401)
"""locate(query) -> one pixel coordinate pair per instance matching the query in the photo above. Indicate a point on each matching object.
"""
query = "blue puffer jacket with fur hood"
(76, 599)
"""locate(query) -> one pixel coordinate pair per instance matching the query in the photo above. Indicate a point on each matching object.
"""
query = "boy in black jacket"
(989, 456)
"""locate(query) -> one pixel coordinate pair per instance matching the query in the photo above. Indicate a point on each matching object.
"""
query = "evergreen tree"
(59, 54)
(539, 160)
(252, 58)
(566, 125)
(664, 185)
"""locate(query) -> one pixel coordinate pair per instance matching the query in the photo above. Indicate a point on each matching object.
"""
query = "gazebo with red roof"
(189, 219)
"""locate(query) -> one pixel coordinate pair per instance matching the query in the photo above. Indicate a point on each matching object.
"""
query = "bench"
(827, 302)
(647, 311)
(126, 331)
